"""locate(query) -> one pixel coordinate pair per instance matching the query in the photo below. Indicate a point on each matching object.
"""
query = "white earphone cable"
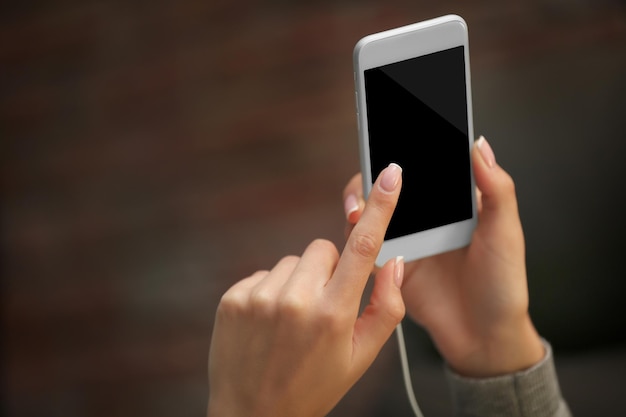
(406, 373)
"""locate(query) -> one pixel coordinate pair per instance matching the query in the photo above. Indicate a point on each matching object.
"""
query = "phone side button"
(356, 104)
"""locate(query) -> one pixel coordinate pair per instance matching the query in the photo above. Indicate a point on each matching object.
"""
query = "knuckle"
(300, 311)
(289, 261)
(292, 307)
(259, 274)
(232, 303)
(324, 246)
(364, 244)
(262, 302)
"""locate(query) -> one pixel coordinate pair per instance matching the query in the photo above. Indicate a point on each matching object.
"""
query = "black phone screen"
(417, 117)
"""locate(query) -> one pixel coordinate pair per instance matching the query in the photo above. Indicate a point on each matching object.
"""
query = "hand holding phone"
(414, 108)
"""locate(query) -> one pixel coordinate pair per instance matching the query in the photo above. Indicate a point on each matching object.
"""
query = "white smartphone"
(414, 108)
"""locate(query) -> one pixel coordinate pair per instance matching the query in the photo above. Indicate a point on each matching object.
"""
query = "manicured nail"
(398, 272)
(391, 178)
(350, 205)
(486, 152)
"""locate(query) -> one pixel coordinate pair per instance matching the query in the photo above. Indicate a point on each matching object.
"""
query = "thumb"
(382, 314)
(499, 215)
(495, 184)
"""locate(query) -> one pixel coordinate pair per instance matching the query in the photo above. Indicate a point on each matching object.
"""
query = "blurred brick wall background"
(154, 153)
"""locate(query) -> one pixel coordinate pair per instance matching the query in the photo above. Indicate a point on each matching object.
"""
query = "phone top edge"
(390, 33)
(409, 41)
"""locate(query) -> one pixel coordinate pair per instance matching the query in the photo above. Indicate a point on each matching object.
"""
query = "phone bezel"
(395, 45)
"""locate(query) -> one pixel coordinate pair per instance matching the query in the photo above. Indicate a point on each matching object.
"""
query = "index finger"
(359, 254)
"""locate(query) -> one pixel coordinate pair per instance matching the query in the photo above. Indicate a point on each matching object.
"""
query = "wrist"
(508, 349)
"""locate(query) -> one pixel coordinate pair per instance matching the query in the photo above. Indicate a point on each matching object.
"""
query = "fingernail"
(486, 152)
(350, 205)
(391, 178)
(398, 272)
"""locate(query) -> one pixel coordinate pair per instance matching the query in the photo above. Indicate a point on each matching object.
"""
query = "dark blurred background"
(155, 152)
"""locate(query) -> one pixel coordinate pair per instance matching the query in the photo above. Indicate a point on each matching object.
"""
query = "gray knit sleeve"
(533, 392)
